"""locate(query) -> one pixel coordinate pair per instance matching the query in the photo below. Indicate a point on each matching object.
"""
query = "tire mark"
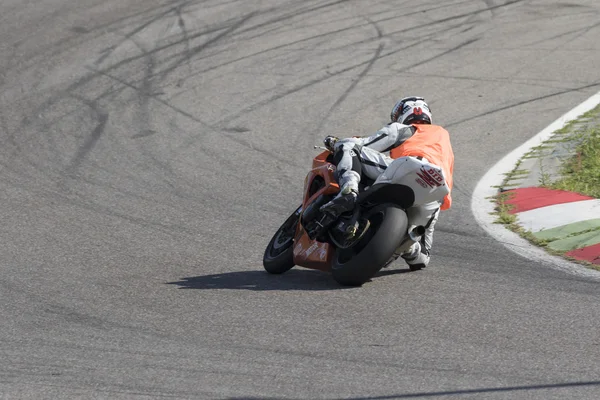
(419, 42)
(26, 156)
(490, 4)
(337, 73)
(356, 81)
(282, 46)
(522, 103)
(203, 46)
(134, 32)
(295, 14)
(153, 96)
(188, 115)
(129, 17)
(523, 82)
(183, 27)
(435, 57)
(583, 31)
(198, 49)
(289, 92)
(145, 93)
(448, 19)
(93, 138)
(161, 48)
(551, 38)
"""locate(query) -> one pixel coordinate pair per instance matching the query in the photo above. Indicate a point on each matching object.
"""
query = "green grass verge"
(581, 173)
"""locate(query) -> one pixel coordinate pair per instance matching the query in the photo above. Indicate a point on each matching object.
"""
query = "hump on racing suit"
(431, 142)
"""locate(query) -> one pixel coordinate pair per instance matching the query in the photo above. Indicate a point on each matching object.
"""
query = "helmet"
(411, 110)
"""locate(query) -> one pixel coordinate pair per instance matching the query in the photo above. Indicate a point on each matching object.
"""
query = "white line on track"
(483, 208)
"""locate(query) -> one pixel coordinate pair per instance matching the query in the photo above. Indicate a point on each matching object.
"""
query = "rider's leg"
(349, 168)
(373, 162)
(348, 174)
(426, 216)
(352, 162)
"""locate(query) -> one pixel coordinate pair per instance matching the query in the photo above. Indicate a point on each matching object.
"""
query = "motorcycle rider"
(409, 134)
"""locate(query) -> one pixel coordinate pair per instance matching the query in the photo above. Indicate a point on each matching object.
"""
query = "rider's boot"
(418, 257)
(344, 201)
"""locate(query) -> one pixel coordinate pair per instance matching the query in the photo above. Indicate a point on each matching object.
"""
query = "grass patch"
(581, 173)
(517, 173)
(503, 209)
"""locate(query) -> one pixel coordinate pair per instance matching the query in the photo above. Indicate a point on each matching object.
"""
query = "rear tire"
(279, 254)
(355, 266)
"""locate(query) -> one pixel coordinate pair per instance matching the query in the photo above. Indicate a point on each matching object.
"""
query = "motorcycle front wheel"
(279, 254)
(359, 263)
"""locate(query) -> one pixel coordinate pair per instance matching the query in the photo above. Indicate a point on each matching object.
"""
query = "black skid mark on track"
(80, 29)
(582, 31)
(93, 138)
(186, 36)
(144, 112)
(159, 49)
(195, 119)
(146, 133)
(281, 46)
(237, 129)
(153, 96)
(294, 14)
(356, 81)
(190, 53)
(449, 51)
(137, 30)
(596, 84)
(290, 92)
(491, 4)
(337, 73)
(454, 17)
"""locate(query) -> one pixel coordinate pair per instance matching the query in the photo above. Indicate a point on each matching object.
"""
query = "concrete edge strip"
(483, 208)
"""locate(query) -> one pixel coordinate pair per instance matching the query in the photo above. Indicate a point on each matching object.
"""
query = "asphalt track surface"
(150, 149)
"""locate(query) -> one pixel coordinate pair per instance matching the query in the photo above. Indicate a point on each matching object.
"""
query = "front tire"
(358, 264)
(279, 254)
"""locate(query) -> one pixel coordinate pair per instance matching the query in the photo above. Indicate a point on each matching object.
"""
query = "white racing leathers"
(359, 157)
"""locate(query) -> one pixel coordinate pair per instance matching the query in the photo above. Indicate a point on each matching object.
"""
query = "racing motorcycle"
(356, 244)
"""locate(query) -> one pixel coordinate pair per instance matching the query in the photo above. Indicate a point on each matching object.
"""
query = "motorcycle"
(354, 245)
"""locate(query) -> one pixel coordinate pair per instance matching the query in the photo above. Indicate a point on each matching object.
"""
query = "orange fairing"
(310, 253)
(324, 170)
(321, 159)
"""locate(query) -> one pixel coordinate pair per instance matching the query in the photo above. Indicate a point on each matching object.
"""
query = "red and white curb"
(569, 222)
(483, 206)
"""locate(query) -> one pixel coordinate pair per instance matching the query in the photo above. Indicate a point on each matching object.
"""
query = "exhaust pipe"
(416, 233)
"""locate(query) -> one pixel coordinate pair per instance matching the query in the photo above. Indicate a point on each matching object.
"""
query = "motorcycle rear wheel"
(358, 264)
(279, 254)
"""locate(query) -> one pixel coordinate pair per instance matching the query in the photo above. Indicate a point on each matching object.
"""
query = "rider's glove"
(330, 142)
